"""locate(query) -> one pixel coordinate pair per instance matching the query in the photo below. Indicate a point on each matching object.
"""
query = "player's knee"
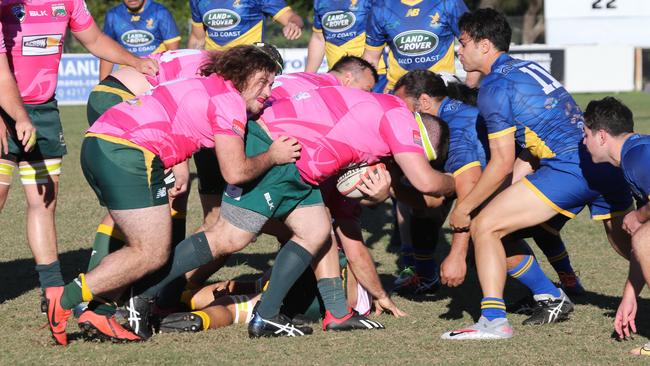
(316, 235)
(157, 257)
(483, 225)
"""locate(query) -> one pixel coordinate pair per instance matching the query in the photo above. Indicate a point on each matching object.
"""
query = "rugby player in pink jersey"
(338, 128)
(33, 33)
(12, 104)
(124, 156)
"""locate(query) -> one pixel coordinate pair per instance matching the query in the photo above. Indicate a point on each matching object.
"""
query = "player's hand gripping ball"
(349, 180)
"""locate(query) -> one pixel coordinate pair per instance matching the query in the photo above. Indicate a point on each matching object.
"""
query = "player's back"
(635, 153)
(177, 64)
(340, 127)
(467, 136)
(288, 85)
(176, 118)
(521, 93)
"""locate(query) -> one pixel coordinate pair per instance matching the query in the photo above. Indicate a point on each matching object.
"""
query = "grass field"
(584, 340)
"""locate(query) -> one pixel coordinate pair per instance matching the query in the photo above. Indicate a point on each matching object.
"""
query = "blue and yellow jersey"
(635, 155)
(420, 34)
(229, 23)
(521, 97)
(343, 24)
(144, 32)
(467, 137)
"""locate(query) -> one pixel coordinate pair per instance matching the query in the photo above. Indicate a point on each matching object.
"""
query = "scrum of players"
(269, 148)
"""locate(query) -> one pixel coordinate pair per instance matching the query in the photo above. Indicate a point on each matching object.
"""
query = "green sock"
(72, 295)
(107, 239)
(290, 263)
(189, 254)
(49, 275)
(102, 308)
(331, 291)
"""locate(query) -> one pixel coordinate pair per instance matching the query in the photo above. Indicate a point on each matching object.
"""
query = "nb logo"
(162, 192)
(413, 12)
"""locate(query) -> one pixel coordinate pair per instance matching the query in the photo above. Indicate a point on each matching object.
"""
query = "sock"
(187, 298)
(424, 233)
(169, 297)
(331, 291)
(408, 257)
(107, 239)
(102, 308)
(205, 317)
(290, 263)
(76, 292)
(49, 275)
(554, 250)
(531, 275)
(189, 254)
(178, 226)
(493, 308)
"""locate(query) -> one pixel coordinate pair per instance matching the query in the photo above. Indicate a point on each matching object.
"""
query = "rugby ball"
(349, 180)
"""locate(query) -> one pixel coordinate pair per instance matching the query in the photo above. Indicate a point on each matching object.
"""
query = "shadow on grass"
(18, 276)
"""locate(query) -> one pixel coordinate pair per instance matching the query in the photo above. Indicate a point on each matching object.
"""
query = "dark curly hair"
(237, 64)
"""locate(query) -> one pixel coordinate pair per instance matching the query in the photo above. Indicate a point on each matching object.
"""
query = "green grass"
(585, 339)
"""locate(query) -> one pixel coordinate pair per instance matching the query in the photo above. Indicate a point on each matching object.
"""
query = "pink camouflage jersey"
(2, 42)
(177, 64)
(178, 118)
(341, 127)
(33, 33)
(288, 85)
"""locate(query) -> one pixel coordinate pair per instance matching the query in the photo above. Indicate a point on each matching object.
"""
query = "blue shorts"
(568, 184)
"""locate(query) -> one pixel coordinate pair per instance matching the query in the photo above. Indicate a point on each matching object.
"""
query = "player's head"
(484, 33)
(251, 70)
(134, 5)
(273, 52)
(422, 90)
(355, 72)
(435, 136)
(605, 121)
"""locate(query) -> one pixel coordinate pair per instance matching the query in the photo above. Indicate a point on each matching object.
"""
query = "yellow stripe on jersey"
(253, 35)
(313, 29)
(172, 40)
(282, 11)
(160, 49)
(611, 214)
(353, 47)
(545, 199)
(501, 133)
(465, 167)
(536, 146)
(148, 155)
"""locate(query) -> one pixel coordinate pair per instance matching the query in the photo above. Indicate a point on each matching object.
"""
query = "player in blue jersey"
(522, 103)
(219, 24)
(610, 138)
(426, 92)
(419, 34)
(340, 29)
(142, 27)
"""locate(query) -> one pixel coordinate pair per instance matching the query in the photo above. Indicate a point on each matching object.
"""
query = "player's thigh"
(147, 229)
(311, 225)
(40, 180)
(515, 208)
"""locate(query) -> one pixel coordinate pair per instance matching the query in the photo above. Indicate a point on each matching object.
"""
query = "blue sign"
(78, 75)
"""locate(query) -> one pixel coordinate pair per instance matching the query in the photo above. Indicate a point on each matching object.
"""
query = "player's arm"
(502, 159)
(12, 103)
(422, 176)
(454, 268)
(315, 51)
(375, 35)
(197, 37)
(292, 23)
(237, 168)
(624, 321)
(372, 55)
(105, 69)
(102, 46)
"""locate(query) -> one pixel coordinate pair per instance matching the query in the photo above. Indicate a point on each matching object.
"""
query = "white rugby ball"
(349, 180)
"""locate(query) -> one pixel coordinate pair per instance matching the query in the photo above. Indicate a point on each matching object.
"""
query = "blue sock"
(425, 264)
(408, 258)
(531, 275)
(493, 308)
(554, 250)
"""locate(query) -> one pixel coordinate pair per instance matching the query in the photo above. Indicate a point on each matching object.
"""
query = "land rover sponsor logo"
(221, 19)
(137, 37)
(338, 21)
(415, 42)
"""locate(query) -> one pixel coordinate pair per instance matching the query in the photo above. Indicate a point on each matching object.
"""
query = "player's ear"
(485, 45)
(602, 137)
(348, 77)
(425, 102)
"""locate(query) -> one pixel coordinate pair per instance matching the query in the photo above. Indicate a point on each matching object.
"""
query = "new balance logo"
(161, 192)
(269, 201)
